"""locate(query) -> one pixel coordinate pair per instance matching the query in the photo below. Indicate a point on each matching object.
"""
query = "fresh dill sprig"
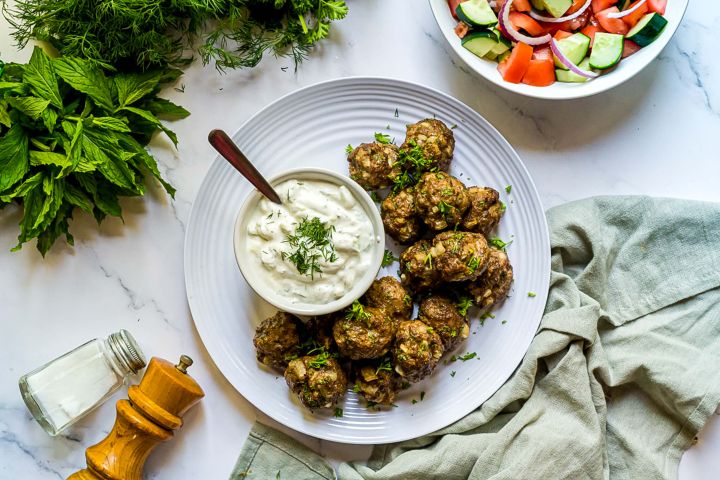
(311, 242)
(463, 305)
(413, 163)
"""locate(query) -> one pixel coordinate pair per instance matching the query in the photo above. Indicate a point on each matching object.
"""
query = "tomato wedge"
(612, 25)
(522, 5)
(657, 6)
(629, 48)
(540, 73)
(560, 34)
(514, 67)
(634, 17)
(527, 23)
(590, 30)
(600, 5)
(574, 7)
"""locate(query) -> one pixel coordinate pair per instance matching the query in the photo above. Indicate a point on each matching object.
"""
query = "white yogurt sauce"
(353, 240)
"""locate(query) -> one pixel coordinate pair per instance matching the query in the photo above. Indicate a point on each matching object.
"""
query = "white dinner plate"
(311, 127)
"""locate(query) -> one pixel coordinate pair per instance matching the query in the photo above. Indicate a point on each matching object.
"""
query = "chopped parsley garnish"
(453, 126)
(388, 258)
(498, 243)
(413, 401)
(532, 294)
(464, 358)
(452, 374)
(349, 149)
(371, 404)
(508, 188)
(338, 412)
(382, 138)
(407, 299)
(428, 260)
(422, 396)
(375, 197)
(443, 207)
(357, 312)
(504, 322)
(503, 207)
(473, 264)
(463, 305)
(413, 163)
(404, 385)
(384, 365)
(319, 361)
(356, 388)
(311, 242)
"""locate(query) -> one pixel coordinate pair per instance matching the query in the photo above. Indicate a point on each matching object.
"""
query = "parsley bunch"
(127, 34)
(70, 136)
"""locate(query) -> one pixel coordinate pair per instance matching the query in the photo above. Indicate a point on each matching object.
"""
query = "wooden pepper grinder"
(151, 415)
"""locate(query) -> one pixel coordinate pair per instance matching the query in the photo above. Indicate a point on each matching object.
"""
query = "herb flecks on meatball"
(400, 216)
(277, 340)
(417, 350)
(388, 294)
(417, 267)
(441, 200)
(374, 165)
(485, 210)
(460, 256)
(318, 381)
(434, 139)
(441, 313)
(377, 382)
(364, 332)
(493, 285)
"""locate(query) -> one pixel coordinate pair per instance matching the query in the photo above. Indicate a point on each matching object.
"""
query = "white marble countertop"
(659, 134)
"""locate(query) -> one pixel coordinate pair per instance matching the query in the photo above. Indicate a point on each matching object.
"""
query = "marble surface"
(659, 134)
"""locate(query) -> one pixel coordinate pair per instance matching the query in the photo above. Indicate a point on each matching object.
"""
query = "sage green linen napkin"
(622, 374)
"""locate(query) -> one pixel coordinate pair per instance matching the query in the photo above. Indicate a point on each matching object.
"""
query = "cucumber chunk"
(647, 29)
(574, 47)
(607, 50)
(569, 77)
(480, 43)
(557, 8)
(476, 13)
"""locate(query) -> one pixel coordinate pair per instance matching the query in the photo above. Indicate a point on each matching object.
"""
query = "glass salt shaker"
(64, 390)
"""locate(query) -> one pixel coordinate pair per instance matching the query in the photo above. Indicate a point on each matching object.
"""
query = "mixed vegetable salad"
(539, 42)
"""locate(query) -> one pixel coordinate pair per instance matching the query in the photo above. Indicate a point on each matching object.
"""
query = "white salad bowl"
(624, 71)
(271, 294)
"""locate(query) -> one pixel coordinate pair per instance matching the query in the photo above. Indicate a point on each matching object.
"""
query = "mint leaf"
(4, 115)
(86, 78)
(33, 107)
(14, 157)
(14, 87)
(110, 123)
(113, 168)
(133, 87)
(130, 144)
(78, 198)
(165, 109)
(49, 158)
(153, 119)
(58, 226)
(74, 147)
(39, 74)
(50, 118)
(22, 189)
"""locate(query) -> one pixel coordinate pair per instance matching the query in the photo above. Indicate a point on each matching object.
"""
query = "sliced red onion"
(507, 26)
(626, 12)
(572, 16)
(492, 4)
(570, 65)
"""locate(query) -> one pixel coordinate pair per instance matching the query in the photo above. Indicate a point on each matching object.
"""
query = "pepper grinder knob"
(150, 416)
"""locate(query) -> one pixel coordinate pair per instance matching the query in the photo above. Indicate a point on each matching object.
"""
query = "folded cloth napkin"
(622, 374)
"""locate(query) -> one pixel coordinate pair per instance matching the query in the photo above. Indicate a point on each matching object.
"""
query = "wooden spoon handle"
(228, 149)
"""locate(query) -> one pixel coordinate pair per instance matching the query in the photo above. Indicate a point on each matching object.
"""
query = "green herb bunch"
(128, 34)
(310, 243)
(70, 136)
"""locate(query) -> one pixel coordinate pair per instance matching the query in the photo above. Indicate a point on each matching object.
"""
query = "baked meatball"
(441, 200)
(364, 332)
(484, 212)
(389, 294)
(441, 313)
(320, 329)
(493, 285)
(374, 165)
(417, 267)
(417, 350)
(277, 340)
(460, 256)
(376, 382)
(435, 140)
(318, 381)
(400, 217)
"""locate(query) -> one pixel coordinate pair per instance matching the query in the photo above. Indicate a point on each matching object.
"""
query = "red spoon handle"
(227, 148)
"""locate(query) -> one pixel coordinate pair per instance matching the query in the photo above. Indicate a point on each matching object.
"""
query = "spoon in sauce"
(230, 151)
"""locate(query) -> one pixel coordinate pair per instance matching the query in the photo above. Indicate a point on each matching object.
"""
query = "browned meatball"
(277, 340)
(318, 381)
(435, 140)
(320, 330)
(376, 382)
(484, 212)
(364, 332)
(417, 350)
(400, 216)
(493, 285)
(389, 294)
(374, 165)
(417, 267)
(441, 200)
(441, 313)
(460, 256)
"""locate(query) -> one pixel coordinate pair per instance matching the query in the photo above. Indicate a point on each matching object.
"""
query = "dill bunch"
(146, 34)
